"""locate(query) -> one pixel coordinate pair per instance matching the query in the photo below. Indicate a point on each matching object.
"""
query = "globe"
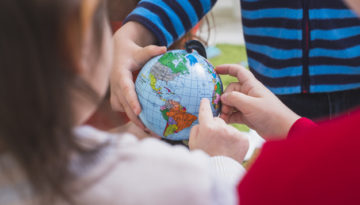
(170, 87)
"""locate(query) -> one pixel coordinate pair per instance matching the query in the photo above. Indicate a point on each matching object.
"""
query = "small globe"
(170, 88)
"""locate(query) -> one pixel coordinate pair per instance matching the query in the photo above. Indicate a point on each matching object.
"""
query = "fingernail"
(204, 100)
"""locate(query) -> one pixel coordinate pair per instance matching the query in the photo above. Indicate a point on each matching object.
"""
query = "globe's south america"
(170, 87)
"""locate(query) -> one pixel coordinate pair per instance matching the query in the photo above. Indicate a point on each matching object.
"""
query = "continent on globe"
(176, 116)
(175, 61)
(169, 66)
(161, 72)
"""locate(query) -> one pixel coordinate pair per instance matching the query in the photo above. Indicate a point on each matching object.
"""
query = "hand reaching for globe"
(215, 137)
(131, 53)
(250, 102)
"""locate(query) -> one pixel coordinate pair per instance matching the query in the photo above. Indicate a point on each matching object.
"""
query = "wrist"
(135, 32)
(288, 121)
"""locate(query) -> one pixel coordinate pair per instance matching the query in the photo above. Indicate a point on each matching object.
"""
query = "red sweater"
(314, 165)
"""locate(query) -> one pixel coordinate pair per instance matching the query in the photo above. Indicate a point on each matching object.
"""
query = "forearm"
(137, 33)
(169, 20)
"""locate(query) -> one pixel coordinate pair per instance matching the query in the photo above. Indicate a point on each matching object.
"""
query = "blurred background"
(225, 24)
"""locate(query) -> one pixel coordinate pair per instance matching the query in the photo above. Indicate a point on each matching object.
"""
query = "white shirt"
(127, 171)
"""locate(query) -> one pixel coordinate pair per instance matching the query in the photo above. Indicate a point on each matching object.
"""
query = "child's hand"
(250, 102)
(215, 137)
(131, 53)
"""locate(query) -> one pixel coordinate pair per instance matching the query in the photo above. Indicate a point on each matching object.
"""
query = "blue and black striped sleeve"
(169, 20)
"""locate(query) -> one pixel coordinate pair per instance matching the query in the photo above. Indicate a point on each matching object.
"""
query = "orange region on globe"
(180, 116)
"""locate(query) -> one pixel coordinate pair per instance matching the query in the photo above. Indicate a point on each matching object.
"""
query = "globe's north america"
(170, 88)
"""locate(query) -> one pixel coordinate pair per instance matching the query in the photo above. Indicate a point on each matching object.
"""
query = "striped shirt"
(293, 46)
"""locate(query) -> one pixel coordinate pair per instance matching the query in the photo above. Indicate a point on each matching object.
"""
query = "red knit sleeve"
(317, 164)
(301, 125)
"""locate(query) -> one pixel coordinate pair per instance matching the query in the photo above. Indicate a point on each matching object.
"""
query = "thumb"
(148, 52)
(237, 100)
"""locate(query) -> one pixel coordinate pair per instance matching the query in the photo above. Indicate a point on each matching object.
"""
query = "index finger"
(238, 71)
(205, 113)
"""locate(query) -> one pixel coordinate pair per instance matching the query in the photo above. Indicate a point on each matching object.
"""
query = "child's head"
(55, 59)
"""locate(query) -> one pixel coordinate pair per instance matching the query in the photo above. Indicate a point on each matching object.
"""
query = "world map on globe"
(170, 88)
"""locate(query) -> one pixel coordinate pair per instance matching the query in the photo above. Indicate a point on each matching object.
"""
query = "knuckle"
(135, 63)
(126, 89)
(230, 87)
(132, 102)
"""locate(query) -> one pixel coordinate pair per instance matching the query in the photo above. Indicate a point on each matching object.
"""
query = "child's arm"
(158, 22)
(169, 20)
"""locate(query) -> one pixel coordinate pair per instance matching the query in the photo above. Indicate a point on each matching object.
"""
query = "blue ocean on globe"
(170, 88)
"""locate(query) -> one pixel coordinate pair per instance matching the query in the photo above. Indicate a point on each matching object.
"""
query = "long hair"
(40, 43)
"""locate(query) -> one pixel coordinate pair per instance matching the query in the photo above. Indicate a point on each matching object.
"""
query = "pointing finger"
(205, 113)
